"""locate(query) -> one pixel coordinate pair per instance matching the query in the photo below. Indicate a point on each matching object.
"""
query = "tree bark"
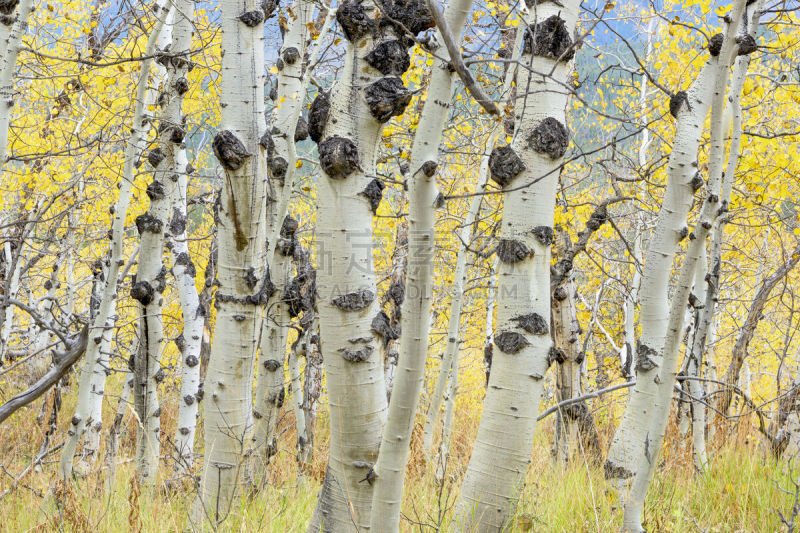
(244, 284)
(91, 377)
(528, 170)
(347, 126)
(13, 26)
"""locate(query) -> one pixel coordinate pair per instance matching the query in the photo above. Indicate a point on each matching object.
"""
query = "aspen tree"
(690, 109)
(14, 16)
(416, 307)
(662, 323)
(295, 61)
(528, 171)
(178, 169)
(347, 125)
(240, 146)
(151, 277)
(92, 375)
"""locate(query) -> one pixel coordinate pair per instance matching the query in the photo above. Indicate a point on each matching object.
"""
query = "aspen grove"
(351, 266)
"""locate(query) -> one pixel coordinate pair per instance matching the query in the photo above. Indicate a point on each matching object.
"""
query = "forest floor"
(744, 489)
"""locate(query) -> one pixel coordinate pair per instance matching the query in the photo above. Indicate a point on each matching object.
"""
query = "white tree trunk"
(244, 284)
(183, 268)
(292, 85)
(367, 94)
(89, 376)
(13, 26)
(191, 338)
(661, 335)
(112, 442)
(460, 272)
(691, 112)
(529, 167)
(150, 282)
(416, 307)
(13, 272)
(270, 390)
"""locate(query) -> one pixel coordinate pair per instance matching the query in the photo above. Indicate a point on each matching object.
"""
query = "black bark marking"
(292, 297)
(549, 38)
(272, 365)
(555, 355)
(289, 227)
(429, 168)
(291, 55)
(181, 86)
(356, 356)
(230, 151)
(386, 98)
(381, 325)
(301, 130)
(715, 44)
(278, 167)
(511, 251)
(613, 471)
(354, 301)
(177, 225)
(598, 218)
(560, 294)
(644, 357)
(505, 165)
(676, 101)
(533, 323)
(143, 292)
(252, 18)
(510, 342)
(389, 58)
(147, 222)
(155, 157)
(550, 137)
(192, 361)
(318, 117)
(184, 260)
(155, 191)
(338, 157)
(747, 44)
(413, 14)
(697, 182)
(543, 234)
(397, 291)
(353, 19)
(373, 192)
(269, 7)
(7, 7)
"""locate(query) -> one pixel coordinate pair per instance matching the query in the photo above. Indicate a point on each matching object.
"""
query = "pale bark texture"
(347, 127)
(151, 277)
(244, 284)
(416, 308)
(13, 24)
(696, 362)
(665, 333)
(176, 164)
(528, 170)
(288, 127)
(691, 108)
(460, 271)
(92, 376)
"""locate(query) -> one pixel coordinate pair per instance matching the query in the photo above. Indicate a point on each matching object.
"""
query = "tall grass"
(742, 490)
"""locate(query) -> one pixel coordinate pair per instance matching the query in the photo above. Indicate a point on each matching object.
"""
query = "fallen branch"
(587, 396)
(76, 346)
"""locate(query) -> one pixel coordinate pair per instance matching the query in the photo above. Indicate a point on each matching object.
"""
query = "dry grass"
(740, 492)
